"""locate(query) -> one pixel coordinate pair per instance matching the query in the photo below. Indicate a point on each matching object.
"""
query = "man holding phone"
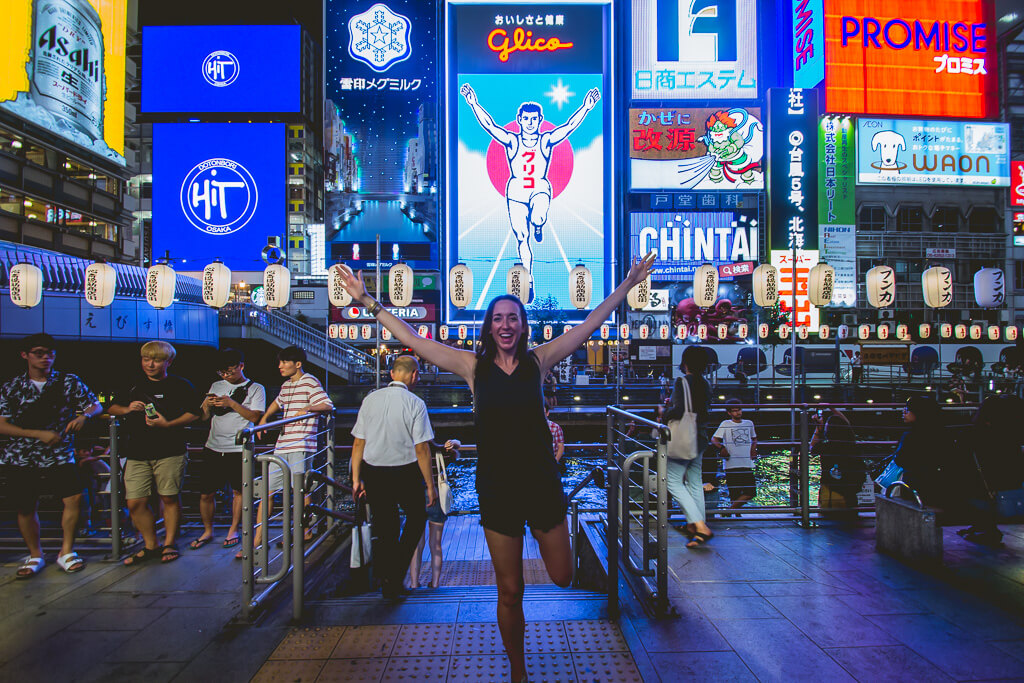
(40, 412)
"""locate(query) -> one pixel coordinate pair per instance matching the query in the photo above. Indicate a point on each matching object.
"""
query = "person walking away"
(513, 441)
(301, 393)
(842, 469)
(155, 411)
(685, 477)
(233, 403)
(436, 518)
(391, 463)
(857, 366)
(736, 441)
(41, 410)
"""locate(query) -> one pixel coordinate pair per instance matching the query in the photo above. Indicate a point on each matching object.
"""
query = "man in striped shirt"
(301, 393)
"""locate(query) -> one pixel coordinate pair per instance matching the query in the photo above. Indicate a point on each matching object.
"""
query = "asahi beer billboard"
(62, 68)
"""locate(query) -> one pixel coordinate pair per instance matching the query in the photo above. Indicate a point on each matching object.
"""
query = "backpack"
(683, 442)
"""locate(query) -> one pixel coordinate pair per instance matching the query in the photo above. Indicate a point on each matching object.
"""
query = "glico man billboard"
(926, 59)
(529, 135)
(218, 192)
(62, 68)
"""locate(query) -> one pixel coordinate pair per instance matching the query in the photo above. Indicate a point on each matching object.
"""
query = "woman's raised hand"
(353, 283)
(641, 269)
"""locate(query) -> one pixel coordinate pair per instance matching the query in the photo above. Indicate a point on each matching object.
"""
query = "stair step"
(466, 594)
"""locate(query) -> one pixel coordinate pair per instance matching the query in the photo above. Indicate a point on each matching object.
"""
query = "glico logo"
(220, 68)
(711, 31)
(379, 37)
(219, 196)
(522, 41)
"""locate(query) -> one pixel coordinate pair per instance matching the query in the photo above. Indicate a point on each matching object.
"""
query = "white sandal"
(71, 562)
(32, 565)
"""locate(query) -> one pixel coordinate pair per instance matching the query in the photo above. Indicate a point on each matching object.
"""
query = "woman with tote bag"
(687, 419)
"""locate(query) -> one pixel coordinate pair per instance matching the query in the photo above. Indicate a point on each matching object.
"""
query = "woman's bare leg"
(436, 558)
(556, 551)
(507, 557)
(414, 565)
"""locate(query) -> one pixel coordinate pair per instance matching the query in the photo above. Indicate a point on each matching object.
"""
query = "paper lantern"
(945, 330)
(460, 285)
(639, 295)
(783, 331)
(101, 284)
(566, 328)
(883, 331)
(702, 331)
(548, 332)
(385, 334)
(763, 330)
(742, 330)
(423, 331)
(353, 332)
(881, 282)
(824, 332)
(342, 331)
(723, 331)
(843, 332)
(276, 285)
(336, 293)
(924, 330)
(680, 331)
(937, 286)
(766, 285)
(400, 285)
(663, 331)
(903, 332)
(623, 331)
(332, 331)
(644, 331)
(821, 281)
(864, 331)
(463, 331)
(26, 285)
(580, 286)
(605, 331)
(517, 282)
(802, 331)
(975, 332)
(442, 332)
(989, 287)
(960, 331)
(705, 286)
(1011, 333)
(367, 332)
(216, 284)
(993, 332)
(160, 283)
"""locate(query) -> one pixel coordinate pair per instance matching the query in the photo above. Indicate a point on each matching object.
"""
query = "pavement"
(765, 601)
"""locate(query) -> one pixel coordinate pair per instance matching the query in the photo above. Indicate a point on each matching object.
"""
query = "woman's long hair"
(927, 414)
(488, 349)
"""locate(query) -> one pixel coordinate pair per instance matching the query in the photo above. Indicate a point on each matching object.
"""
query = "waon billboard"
(935, 58)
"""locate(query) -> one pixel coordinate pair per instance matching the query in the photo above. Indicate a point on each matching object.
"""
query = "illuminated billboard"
(62, 68)
(221, 68)
(684, 241)
(696, 149)
(797, 273)
(793, 168)
(218, 192)
(837, 206)
(936, 58)
(808, 43)
(910, 152)
(382, 160)
(694, 49)
(529, 135)
(1017, 183)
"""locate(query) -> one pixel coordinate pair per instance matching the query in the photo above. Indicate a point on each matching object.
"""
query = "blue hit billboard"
(218, 191)
(220, 68)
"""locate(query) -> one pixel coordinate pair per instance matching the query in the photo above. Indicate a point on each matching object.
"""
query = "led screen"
(685, 240)
(221, 68)
(62, 68)
(218, 192)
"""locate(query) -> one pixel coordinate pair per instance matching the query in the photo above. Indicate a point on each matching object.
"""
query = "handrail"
(663, 430)
(240, 437)
(893, 486)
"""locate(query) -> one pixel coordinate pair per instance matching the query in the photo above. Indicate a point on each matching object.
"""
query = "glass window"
(946, 219)
(871, 218)
(909, 219)
(983, 219)
(11, 202)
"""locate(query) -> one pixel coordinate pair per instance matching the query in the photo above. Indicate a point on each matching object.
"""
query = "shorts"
(508, 516)
(215, 469)
(139, 476)
(435, 514)
(296, 461)
(26, 483)
(741, 483)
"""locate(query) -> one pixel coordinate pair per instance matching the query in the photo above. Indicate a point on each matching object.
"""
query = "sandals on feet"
(30, 567)
(199, 543)
(699, 539)
(231, 542)
(71, 562)
(169, 553)
(144, 555)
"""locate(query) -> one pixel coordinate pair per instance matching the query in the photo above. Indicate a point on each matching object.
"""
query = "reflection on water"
(385, 218)
(462, 477)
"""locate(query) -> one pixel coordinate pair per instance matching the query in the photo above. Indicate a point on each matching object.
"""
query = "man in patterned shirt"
(40, 412)
(557, 437)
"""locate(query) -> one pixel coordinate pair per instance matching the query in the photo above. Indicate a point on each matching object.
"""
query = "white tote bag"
(361, 540)
(444, 490)
(683, 442)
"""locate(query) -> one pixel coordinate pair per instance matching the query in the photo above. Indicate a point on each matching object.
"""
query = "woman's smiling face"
(507, 326)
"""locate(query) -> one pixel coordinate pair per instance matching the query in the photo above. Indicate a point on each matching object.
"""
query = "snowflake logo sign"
(379, 37)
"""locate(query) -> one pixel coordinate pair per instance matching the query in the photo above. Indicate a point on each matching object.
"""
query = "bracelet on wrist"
(375, 309)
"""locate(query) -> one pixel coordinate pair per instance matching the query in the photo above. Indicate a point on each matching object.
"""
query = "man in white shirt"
(232, 404)
(736, 439)
(390, 466)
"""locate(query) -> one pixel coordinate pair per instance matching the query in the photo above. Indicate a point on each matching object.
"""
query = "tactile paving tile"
(294, 671)
(551, 668)
(481, 573)
(424, 640)
(341, 670)
(473, 668)
(309, 643)
(595, 636)
(546, 636)
(606, 667)
(416, 669)
(477, 639)
(366, 641)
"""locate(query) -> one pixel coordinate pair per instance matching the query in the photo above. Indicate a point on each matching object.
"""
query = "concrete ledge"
(906, 530)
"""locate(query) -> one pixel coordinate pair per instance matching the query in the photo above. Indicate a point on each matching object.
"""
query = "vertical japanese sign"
(793, 168)
(529, 102)
(797, 274)
(808, 43)
(836, 204)
(1017, 183)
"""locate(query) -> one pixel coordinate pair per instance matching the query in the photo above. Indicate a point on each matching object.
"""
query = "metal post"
(115, 494)
(331, 503)
(662, 576)
(298, 538)
(247, 525)
(645, 514)
(574, 540)
(792, 353)
(377, 322)
(265, 500)
(805, 471)
(612, 541)
(610, 434)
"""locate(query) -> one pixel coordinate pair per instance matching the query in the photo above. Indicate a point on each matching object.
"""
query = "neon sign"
(522, 41)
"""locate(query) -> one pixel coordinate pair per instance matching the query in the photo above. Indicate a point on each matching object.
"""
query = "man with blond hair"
(155, 412)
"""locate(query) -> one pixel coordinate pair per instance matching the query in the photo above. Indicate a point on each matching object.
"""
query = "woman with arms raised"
(513, 439)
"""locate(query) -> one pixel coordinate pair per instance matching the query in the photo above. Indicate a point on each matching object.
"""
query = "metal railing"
(313, 477)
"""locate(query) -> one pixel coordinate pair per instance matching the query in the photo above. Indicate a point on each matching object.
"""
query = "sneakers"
(538, 233)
